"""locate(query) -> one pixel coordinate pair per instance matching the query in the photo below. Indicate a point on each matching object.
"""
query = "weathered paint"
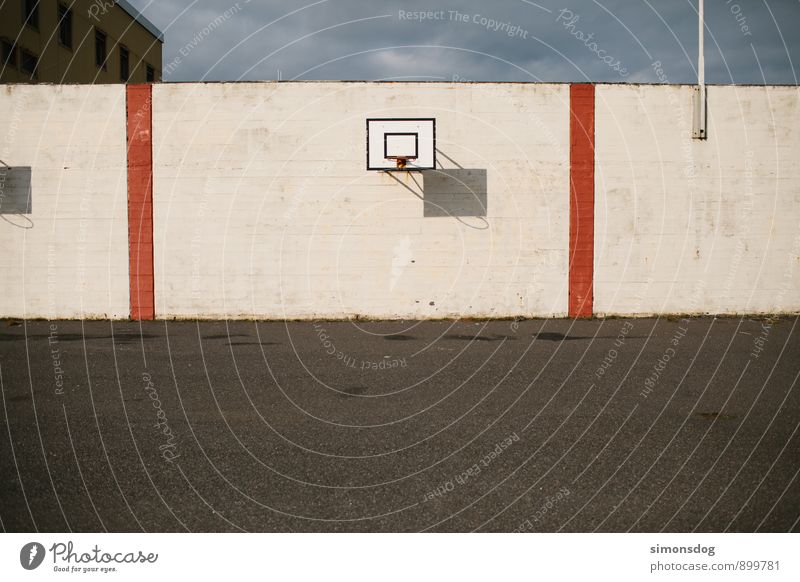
(697, 226)
(581, 200)
(263, 207)
(68, 258)
(140, 200)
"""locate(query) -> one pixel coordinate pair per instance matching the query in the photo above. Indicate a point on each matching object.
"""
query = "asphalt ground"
(543, 425)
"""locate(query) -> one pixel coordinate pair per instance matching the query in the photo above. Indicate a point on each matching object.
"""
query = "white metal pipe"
(701, 66)
(699, 95)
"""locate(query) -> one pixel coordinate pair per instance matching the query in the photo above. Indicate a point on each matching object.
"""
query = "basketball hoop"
(401, 161)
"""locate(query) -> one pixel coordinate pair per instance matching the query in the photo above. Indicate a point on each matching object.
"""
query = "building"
(77, 41)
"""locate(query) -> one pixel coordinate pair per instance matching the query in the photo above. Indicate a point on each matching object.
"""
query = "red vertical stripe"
(581, 200)
(140, 200)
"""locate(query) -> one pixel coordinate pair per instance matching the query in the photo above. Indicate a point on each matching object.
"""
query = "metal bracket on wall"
(700, 110)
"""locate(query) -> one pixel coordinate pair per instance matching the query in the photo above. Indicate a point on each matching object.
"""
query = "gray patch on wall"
(15, 190)
(456, 192)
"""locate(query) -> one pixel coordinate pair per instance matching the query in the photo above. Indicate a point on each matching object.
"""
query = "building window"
(124, 73)
(30, 13)
(100, 48)
(65, 26)
(9, 53)
(150, 74)
(29, 62)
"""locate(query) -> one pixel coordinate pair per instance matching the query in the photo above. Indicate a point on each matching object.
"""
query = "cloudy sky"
(747, 41)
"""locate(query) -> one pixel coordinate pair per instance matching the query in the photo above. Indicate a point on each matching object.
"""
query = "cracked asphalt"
(539, 425)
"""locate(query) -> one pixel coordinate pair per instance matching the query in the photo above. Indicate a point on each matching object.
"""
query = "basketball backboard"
(401, 144)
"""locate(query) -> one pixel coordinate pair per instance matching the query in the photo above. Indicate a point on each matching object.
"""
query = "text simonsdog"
(698, 549)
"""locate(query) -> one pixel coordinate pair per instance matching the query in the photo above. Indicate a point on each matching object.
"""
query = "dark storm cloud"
(508, 40)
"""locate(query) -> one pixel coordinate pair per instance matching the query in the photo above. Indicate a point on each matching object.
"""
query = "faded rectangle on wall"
(15, 190)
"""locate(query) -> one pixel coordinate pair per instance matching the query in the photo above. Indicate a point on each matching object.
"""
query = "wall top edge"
(300, 82)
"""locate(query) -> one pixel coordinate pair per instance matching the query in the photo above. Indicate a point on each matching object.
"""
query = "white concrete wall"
(69, 257)
(263, 207)
(687, 226)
